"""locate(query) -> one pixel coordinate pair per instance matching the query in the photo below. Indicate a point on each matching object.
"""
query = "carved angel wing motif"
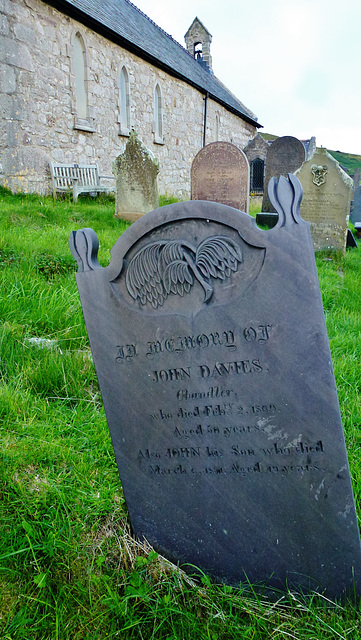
(218, 256)
(171, 266)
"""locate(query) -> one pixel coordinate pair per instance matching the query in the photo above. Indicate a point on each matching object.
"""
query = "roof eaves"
(82, 16)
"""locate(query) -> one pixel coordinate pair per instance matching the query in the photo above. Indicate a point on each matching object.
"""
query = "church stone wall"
(37, 95)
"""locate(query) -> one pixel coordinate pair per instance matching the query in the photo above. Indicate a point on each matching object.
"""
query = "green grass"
(69, 568)
(348, 161)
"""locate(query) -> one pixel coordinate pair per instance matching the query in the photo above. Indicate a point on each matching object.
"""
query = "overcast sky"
(295, 63)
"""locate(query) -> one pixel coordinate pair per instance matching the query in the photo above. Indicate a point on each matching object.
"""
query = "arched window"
(217, 127)
(158, 115)
(198, 50)
(257, 174)
(80, 78)
(124, 102)
(82, 119)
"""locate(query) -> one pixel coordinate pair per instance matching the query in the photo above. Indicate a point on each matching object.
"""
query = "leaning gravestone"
(135, 173)
(284, 156)
(220, 398)
(327, 191)
(220, 173)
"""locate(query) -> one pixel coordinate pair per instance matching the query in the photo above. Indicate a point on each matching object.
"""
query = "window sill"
(158, 140)
(123, 131)
(83, 125)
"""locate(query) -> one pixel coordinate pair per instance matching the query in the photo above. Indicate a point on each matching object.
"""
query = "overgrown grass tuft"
(69, 567)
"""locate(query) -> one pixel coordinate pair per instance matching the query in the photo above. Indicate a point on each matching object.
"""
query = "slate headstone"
(285, 155)
(135, 173)
(267, 219)
(356, 207)
(350, 240)
(220, 173)
(327, 191)
(209, 341)
(356, 179)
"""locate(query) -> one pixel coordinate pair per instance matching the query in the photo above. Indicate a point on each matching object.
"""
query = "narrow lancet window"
(124, 102)
(158, 115)
(80, 78)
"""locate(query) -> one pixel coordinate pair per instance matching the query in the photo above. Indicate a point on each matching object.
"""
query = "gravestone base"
(327, 236)
(129, 216)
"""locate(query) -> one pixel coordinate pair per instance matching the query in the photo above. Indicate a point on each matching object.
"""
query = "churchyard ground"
(69, 568)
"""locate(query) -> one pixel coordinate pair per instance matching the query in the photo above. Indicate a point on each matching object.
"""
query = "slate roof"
(122, 22)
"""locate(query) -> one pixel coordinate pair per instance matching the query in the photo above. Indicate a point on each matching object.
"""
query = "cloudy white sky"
(295, 63)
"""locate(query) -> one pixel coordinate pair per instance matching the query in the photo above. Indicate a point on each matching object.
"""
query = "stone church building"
(78, 75)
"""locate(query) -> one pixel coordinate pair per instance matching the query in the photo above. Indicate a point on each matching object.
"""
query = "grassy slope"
(348, 161)
(69, 569)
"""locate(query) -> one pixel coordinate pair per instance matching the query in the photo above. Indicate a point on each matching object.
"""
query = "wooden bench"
(78, 178)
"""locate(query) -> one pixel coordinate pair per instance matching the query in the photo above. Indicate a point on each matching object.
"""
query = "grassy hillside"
(348, 161)
(69, 567)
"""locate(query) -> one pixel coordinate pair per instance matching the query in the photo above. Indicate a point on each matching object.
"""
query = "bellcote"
(198, 42)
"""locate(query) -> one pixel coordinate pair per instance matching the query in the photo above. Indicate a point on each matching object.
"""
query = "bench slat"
(75, 177)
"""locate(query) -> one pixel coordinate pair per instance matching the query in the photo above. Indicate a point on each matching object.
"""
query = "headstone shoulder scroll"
(209, 342)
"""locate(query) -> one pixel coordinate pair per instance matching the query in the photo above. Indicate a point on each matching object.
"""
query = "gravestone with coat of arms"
(327, 191)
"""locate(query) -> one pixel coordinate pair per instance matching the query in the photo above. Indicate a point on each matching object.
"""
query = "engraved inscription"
(126, 352)
(223, 435)
(212, 392)
(179, 345)
(220, 173)
(171, 375)
(224, 409)
(194, 459)
(233, 368)
(236, 367)
(229, 338)
(260, 333)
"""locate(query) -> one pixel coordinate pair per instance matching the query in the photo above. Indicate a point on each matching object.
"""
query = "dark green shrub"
(54, 265)
(8, 257)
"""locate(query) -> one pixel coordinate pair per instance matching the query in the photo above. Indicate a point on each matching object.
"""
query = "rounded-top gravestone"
(220, 173)
(284, 156)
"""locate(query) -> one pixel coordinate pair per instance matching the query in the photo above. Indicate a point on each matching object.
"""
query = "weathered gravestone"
(326, 201)
(220, 173)
(356, 209)
(135, 173)
(284, 156)
(209, 341)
